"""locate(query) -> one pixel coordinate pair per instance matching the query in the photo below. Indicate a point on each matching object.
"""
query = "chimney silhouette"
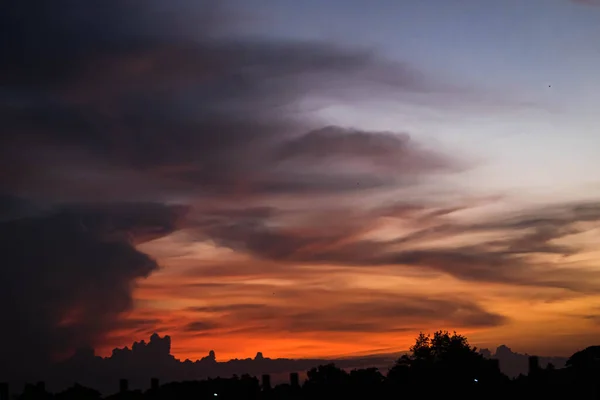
(534, 365)
(154, 384)
(3, 391)
(266, 382)
(294, 380)
(123, 385)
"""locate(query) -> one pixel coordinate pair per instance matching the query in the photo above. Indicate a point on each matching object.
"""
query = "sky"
(304, 179)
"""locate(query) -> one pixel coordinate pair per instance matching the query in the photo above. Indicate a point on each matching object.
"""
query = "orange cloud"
(237, 299)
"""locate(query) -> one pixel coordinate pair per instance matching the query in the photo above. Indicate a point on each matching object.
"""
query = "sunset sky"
(302, 178)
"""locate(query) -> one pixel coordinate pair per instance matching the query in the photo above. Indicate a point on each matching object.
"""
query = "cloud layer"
(167, 129)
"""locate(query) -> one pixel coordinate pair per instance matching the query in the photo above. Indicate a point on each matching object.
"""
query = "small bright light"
(475, 380)
(215, 394)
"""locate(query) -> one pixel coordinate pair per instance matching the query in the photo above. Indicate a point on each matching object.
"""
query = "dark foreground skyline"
(145, 360)
(438, 364)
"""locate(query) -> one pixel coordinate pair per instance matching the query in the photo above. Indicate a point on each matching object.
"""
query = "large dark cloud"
(67, 276)
(150, 106)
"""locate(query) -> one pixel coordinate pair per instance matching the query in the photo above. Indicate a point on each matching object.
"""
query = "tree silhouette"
(326, 381)
(442, 348)
(446, 359)
(78, 392)
(366, 383)
(422, 349)
(326, 375)
(585, 360)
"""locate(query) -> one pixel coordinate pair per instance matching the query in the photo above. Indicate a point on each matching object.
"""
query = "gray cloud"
(506, 259)
(200, 326)
(150, 108)
(385, 317)
(385, 149)
(138, 325)
(227, 308)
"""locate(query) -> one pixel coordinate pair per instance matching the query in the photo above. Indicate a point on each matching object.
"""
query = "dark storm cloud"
(200, 113)
(12, 207)
(67, 275)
